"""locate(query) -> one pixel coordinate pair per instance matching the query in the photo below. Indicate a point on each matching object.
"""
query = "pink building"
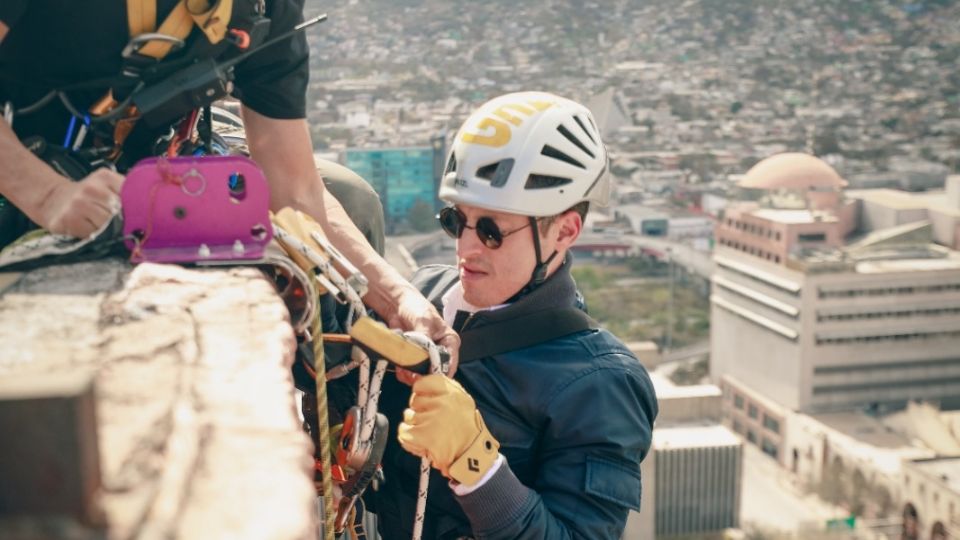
(799, 204)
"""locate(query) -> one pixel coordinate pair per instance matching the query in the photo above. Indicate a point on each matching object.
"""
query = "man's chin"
(480, 297)
(474, 299)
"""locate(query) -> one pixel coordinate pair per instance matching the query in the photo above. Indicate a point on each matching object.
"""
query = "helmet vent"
(570, 137)
(497, 173)
(585, 130)
(487, 172)
(452, 164)
(541, 181)
(550, 151)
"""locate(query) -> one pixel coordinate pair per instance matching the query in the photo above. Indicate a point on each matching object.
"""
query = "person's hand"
(444, 425)
(80, 208)
(416, 313)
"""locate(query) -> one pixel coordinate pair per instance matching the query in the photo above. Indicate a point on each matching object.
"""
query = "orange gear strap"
(210, 16)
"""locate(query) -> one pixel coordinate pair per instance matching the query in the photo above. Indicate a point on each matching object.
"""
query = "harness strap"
(212, 20)
(538, 327)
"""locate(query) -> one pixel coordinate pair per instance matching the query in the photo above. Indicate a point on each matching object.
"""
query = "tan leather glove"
(444, 425)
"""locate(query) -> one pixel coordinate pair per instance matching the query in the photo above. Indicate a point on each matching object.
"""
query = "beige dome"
(792, 170)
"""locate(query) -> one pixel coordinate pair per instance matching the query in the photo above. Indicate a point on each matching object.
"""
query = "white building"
(832, 323)
(693, 474)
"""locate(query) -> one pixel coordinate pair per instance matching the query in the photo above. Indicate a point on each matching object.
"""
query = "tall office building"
(401, 176)
(827, 300)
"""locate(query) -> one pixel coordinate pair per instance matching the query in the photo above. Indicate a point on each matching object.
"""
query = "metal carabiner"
(138, 42)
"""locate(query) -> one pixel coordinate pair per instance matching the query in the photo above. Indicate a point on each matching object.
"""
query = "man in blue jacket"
(542, 430)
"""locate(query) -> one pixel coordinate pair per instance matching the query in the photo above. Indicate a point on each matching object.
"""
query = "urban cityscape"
(787, 194)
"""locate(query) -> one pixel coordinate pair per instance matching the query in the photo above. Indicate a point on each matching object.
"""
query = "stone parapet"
(197, 430)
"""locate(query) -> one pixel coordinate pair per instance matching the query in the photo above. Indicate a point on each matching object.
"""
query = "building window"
(738, 401)
(737, 426)
(752, 411)
(771, 424)
(885, 291)
(769, 448)
(913, 336)
(778, 236)
(812, 237)
(751, 436)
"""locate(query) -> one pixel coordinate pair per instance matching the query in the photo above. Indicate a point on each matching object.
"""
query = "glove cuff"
(477, 459)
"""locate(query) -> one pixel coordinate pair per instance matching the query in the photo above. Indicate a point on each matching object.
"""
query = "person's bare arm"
(50, 200)
(283, 150)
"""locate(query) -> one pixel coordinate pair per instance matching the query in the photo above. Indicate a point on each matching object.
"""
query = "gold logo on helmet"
(495, 131)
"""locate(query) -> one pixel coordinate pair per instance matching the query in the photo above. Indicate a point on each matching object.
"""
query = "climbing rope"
(369, 388)
(323, 428)
(435, 367)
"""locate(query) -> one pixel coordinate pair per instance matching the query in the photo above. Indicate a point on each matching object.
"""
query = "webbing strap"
(538, 327)
(141, 16)
(212, 20)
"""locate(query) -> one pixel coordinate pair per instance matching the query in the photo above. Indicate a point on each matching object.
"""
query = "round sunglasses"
(454, 222)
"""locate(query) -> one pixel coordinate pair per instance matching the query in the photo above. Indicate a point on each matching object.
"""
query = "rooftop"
(666, 389)
(694, 436)
(908, 265)
(891, 198)
(793, 216)
(869, 440)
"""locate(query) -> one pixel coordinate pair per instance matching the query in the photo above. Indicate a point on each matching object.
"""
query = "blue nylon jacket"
(573, 415)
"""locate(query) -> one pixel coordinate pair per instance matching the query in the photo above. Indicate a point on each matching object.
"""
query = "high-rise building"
(827, 300)
(403, 177)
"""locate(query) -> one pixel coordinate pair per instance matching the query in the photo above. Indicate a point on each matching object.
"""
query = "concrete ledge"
(197, 427)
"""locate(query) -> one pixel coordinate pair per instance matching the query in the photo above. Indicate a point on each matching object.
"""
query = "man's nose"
(469, 243)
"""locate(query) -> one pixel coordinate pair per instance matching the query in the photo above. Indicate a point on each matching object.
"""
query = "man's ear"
(3, 30)
(569, 226)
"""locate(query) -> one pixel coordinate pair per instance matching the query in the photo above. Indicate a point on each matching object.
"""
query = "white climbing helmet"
(527, 153)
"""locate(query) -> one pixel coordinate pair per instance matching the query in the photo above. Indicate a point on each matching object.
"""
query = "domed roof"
(792, 170)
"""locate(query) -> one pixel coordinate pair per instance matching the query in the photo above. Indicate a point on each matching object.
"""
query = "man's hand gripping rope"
(362, 439)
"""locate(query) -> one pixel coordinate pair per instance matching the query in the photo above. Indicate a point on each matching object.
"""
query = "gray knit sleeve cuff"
(498, 501)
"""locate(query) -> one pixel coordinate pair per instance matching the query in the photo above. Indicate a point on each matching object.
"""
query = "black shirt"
(56, 43)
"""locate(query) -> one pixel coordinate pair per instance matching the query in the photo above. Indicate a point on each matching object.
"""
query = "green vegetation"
(632, 301)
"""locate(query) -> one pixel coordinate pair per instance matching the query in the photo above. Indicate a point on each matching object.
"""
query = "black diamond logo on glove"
(473, 464)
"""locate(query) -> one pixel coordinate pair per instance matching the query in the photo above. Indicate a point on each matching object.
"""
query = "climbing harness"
(364, 432)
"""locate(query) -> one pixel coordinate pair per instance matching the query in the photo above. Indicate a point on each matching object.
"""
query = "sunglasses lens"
(489, 233)
(452, 222)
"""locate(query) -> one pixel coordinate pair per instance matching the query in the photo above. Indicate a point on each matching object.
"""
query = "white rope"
(369, 412)
(424, 485)
(364, 389)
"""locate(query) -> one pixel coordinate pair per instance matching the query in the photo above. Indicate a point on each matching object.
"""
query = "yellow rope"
(323, 421)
